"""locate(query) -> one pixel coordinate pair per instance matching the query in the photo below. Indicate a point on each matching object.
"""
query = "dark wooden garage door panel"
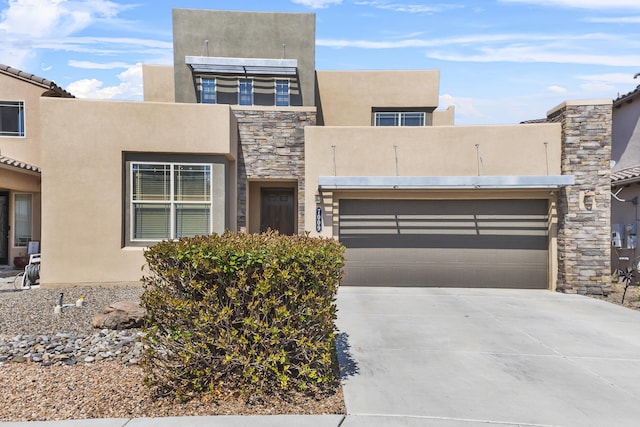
(485, 243)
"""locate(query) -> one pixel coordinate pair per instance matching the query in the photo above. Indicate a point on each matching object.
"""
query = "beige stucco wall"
(26, 149)
(347, 97)
(430, 151)
(158, 83)
(83, 170)
(444, 117)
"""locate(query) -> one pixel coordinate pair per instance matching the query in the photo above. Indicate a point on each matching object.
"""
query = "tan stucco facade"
(158, 83)
(83, 194)
(27, 148)
(347, 98)
(89, 147)
(22, 176)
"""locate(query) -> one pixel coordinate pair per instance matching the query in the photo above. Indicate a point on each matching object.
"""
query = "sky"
(500, 61)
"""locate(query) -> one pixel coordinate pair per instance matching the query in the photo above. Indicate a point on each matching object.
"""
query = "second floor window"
(245, 94)
(208, 91)
(12, 118)
(282, 93)
(400, 118)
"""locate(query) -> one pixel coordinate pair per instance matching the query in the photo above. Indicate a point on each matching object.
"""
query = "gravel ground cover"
(57, 367)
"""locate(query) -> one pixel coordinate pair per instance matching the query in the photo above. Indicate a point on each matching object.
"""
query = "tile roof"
(625, 175)
(18, 164)
(54, 89)
(626, 97)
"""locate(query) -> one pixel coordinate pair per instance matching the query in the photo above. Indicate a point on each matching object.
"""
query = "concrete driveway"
(478, 357)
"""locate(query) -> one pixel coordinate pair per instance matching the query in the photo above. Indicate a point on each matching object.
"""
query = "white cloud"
(609, 77)
(317, 4)
(557, 89)
(98, 66)
(26, 24)
(536, 54)
(410, 8)
(43, 18)
(465, 108)
(616, 20)
(130, 87)
(593, 48)
(583, 4)
(596, 87)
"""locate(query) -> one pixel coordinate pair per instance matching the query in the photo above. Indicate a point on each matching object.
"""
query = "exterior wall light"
(318, 198)
(589, 198)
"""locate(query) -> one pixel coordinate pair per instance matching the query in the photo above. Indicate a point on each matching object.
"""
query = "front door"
(277, 210)
(4, 227)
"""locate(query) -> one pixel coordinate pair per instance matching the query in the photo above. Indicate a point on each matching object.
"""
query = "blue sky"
(501, 61)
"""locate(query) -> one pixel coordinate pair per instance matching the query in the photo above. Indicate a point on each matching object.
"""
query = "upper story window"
(282, 93)
(169, 200)
(399, 118)
(245, 92)
(12, 118)
(208, 91)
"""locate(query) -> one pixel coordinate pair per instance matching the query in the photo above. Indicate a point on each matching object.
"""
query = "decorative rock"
(120, 315)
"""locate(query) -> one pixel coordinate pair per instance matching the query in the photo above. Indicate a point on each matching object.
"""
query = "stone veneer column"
(271, 146)
(584, 236)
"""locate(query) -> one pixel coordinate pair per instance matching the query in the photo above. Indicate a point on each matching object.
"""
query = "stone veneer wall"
(584, 239)
(271, 146)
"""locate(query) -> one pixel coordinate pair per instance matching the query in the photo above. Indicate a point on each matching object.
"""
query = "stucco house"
(20, 141)
(625, 178)
(243, 133)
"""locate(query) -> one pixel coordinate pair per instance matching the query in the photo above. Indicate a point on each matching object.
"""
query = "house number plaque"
(318, 219)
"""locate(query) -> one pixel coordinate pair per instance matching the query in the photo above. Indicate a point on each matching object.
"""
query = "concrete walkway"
(463, 357)
(468, 358)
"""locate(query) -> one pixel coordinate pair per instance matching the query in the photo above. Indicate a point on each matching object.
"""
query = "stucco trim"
(442, 182)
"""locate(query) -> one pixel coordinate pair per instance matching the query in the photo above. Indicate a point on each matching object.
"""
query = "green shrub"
(252, 313)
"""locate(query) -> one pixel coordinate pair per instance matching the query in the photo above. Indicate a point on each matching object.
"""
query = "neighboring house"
(20, 140)
(242, 133)
(625, 176)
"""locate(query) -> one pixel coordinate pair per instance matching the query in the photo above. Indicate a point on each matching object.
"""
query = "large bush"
(245, 312)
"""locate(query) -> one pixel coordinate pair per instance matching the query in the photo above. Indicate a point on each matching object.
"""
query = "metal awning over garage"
(443, 182)
(445, 243)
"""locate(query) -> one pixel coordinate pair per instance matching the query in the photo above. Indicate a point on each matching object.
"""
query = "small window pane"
(386, 119)
(193, 183)
(192, 219)
(412, 119)
(282, 93)
(12, 118)
(151, 182)
(22, 219)
(151, 221)
(246, 92)
(208, 94)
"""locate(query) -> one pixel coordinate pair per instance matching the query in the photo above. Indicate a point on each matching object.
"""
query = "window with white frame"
(208, 90)
(282, 93)
(12, 118)
(22, 219)
(245, 92)
(170, 200)
(399, 118)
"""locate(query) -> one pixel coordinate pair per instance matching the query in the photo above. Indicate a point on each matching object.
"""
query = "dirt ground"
(631, 299)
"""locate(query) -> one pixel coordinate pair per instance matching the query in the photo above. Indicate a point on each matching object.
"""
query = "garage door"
(456, 243)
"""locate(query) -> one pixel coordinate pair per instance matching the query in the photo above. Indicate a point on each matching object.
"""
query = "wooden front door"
(277, 210)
